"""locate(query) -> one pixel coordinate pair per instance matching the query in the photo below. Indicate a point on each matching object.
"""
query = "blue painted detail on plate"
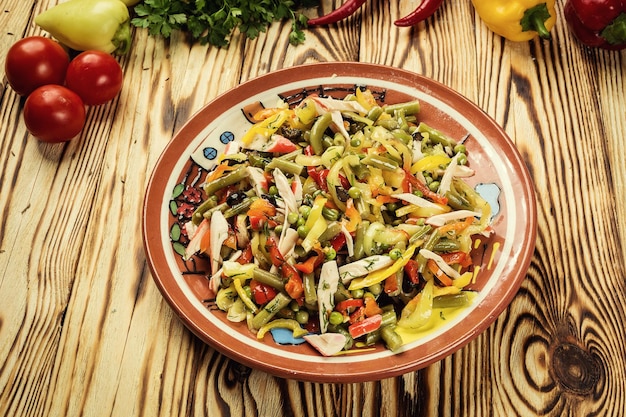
(210, 153)
(285, 337)
(491, 193)
(227, 137)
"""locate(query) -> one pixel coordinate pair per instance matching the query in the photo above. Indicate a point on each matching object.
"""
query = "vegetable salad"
(341, 220)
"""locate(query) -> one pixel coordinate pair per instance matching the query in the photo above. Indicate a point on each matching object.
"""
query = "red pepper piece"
(348, 306)
(262, 293)
(293, 286)
(345, 10)
(598, 23)
(412, 270)
(426, 9)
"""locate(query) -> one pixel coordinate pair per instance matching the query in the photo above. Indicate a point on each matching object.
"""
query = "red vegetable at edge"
(426, 9)
(345, 10)
(598, 23)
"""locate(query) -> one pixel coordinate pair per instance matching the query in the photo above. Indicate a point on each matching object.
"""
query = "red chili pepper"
(426, 9)
(412, 270)
(345, 10)
(598, 23)
(294, 286)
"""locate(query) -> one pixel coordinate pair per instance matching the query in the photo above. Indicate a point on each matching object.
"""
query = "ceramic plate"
(174, 191)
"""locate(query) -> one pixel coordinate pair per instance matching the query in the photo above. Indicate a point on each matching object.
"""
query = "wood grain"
(84, 330)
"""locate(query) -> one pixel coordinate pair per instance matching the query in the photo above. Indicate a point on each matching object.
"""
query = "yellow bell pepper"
(518, 20)
(83, 25)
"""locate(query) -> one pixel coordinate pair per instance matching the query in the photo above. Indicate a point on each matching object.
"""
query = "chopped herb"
(214, 22)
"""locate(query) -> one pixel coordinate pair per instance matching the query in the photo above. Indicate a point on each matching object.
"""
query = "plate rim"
(348, 69)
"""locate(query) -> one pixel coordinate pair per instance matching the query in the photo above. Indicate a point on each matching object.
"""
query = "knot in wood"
(575, 369)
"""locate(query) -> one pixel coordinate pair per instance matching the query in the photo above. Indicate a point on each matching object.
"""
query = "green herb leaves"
(214, 22)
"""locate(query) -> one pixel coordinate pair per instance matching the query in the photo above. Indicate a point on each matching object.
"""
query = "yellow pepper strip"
(430, 163)
(289, 324)
(518, 20)
(306, 112)
(243, 296)
(464, 280)
(380, 275)
(315, 223)
(266, 128)
(365, 99)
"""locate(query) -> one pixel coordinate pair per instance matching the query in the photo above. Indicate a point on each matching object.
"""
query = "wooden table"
(84, 330)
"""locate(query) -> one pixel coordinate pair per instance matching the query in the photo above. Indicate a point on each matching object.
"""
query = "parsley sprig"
(214, 22)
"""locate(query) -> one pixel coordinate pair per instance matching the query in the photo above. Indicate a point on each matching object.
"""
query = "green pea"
(273, 190)
(302, 316)
(303, 231)
(294, 306)
(355, 143)
(335, 318)
(354, 192)
(279, 229)
(358, 293)
(331, 253)
(460, 148)
(305, 211)
(375, 289)
(395, 254)
(462, 159)
(434, 185)
(292, 218)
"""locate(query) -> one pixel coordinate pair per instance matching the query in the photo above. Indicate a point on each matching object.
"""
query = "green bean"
(435, 135)
(257, 160)
(389, 124)
(238, 208)
(372, 337)
(229, 179)
(447, 245)
(451, 300)
(391, 337)
(198, 214)
(280, 301)
(374, 113)
(310, 290)
(285, 166)
(291, 155)
(402, 135)
(359, 251)
(389, 318)
(268, 278)
(317, 132)
(357, 118)
(410, 107)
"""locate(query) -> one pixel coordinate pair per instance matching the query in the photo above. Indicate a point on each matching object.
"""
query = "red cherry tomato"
(95, 76)
(35, 61)
(53, 113)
